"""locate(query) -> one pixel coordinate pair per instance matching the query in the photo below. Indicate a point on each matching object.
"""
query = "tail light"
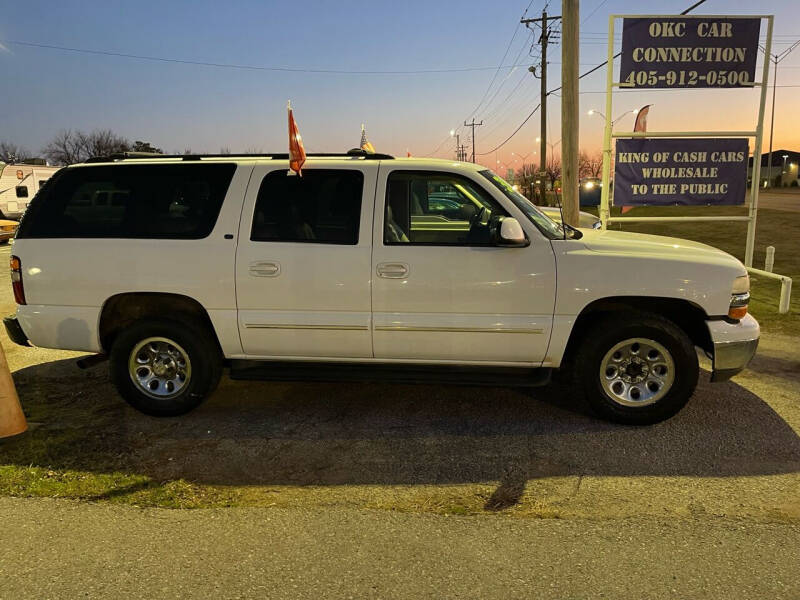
(16, 280)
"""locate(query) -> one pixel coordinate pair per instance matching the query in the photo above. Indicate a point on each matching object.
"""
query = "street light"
(458, 143)
(523, 156)
(783, 169)
(635, 111)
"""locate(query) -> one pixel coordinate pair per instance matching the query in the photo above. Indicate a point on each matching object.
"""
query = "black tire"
(613, 330)
(198, 343)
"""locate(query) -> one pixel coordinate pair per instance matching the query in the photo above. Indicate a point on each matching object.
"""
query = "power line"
(513, 134)
(589, 72)
(510, 73)
(499, 67)
(200, 63)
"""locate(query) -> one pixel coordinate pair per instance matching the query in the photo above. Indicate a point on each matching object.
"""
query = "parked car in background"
(587, 220)
(589, 191)
(7, 228)
(366, 267)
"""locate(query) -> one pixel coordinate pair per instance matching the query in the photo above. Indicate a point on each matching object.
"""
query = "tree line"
(70, 146)
(590, 164)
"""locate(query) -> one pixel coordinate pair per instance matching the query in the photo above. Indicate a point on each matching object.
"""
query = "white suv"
(364, 267)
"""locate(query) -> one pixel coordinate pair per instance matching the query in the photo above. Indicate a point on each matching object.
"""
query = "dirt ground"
(734, 451)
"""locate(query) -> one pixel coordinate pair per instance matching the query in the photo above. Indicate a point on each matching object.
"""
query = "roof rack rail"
(355, 153)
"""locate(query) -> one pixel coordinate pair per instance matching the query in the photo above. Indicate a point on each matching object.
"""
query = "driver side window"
(438, 209)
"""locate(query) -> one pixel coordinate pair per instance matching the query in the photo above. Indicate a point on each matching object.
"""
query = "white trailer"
(19, 184)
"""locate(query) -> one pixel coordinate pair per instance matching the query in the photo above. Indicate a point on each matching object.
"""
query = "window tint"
(322, 206)
(130, 201)
(22, 191)
(438, 209)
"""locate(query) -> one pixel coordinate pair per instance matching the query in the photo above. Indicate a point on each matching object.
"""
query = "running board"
(257, 370)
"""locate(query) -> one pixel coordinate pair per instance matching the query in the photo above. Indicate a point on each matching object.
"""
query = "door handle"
(393, 270)
(265, 269)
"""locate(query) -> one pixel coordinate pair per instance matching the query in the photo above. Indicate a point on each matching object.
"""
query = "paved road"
(59, 549)
(785, 201)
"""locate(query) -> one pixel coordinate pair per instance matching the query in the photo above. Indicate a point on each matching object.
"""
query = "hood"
(624, 242)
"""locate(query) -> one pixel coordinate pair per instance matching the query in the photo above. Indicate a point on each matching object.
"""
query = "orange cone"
(12, 419)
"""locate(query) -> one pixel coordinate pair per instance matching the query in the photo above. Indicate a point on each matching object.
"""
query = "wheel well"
(685, 314)
(122, 310)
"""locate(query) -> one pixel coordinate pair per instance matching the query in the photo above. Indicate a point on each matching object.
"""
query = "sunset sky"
(177, 105)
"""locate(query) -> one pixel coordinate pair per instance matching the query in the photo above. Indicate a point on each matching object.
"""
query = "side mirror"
(512, 234)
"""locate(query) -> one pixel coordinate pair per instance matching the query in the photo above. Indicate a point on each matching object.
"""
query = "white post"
(786, 294)
(605, 192)
(769, 263)
(756, 177)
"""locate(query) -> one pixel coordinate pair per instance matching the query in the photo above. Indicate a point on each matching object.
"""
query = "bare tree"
(102, 142)
(526, 176)
(590, 165)
(553, 169)
(68, 147)
(65, 148)
(225, 150)
(11, 153)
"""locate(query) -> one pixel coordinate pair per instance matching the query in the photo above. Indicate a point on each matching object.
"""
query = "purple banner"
(684, 52)
(680, 171)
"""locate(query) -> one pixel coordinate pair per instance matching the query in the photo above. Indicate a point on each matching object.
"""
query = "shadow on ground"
(332, 434)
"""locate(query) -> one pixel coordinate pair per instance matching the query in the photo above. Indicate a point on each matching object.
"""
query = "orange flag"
(639, 125)
(297, 154)
(641, 119)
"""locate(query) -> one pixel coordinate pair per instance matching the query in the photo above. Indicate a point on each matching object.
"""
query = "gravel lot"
(734, 451)
(358, 488)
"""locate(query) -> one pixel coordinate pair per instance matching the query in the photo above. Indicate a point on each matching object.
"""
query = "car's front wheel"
(165, 367)
(638, 369)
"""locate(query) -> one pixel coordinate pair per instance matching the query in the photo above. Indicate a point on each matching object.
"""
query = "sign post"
(689, 52)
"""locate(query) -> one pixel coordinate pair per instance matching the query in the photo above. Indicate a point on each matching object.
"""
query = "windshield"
(545, 224)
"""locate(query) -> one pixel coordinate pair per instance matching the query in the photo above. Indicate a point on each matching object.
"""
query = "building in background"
(783, 172)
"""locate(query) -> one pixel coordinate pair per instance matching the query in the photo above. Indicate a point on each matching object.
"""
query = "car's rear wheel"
(636, 369)
(165, 367)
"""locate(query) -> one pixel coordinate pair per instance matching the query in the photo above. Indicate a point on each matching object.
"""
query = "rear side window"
(22, 191)
(130, 201)
(323, 206)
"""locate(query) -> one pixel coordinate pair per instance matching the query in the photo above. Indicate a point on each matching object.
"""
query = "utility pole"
(569, 110)
(473, 125)
(543, 41)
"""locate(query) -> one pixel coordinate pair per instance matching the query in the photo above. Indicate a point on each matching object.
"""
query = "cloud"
(4, 48)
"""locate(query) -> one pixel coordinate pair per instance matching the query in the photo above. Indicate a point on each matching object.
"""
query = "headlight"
(740, 297)
(741, 285)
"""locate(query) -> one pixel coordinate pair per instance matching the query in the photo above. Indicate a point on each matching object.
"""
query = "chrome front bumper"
(734, 344)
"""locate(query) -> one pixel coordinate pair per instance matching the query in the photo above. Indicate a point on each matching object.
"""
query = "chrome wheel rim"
(637, 372)
(159, 368)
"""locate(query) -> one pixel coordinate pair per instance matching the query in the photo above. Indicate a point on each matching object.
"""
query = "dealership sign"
(680, 171)
(686, 52)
